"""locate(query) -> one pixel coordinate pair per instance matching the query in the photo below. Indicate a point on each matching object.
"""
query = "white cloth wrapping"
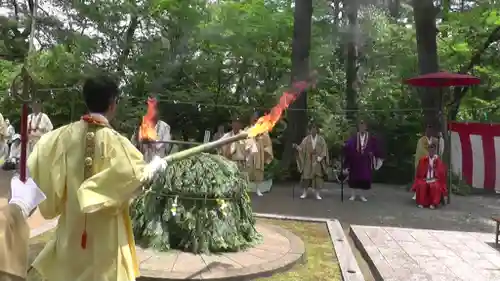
(25, 195)
(377, 163)
(314, 140)
(38, 125)
(160, 148)
(156, 165)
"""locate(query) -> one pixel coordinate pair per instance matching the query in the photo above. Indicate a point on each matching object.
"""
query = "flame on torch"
(147, 131)
(267, 122)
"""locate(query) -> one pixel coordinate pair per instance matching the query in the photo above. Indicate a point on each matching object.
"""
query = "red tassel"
(84, 240)
(84, 234)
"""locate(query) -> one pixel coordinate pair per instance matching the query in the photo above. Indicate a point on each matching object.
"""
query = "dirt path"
(386, 206)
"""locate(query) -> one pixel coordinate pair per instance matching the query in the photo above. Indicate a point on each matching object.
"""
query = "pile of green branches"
(199, 205)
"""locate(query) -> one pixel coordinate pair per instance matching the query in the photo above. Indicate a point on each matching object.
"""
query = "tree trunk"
(301, 44)
(424, 14)
(394, 6)
(351, 62)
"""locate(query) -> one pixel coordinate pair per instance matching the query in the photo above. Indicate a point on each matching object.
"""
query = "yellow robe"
(258, 159)
(307, 160)
(422, 149)
(57, 166)
(237, 151)
(14, 239)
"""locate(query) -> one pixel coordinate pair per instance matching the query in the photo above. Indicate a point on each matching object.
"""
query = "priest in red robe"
(430, 179)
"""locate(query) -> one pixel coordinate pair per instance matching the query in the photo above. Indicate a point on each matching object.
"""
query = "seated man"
(14, 154)
(430, 179)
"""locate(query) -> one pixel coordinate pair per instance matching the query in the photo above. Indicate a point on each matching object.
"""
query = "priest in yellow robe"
(89, 173)
(262, 155)
(14, 229)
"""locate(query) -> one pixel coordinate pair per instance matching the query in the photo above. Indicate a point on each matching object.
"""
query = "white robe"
(159, 149)
(15, 152)
(4, 148)
(38, 125)
(10, 132)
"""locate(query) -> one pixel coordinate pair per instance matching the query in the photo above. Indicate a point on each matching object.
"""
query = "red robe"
(430, 193)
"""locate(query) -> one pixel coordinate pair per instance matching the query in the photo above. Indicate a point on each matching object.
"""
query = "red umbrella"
(442, 79)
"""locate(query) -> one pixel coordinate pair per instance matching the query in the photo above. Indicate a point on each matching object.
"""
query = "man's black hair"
(99, 92)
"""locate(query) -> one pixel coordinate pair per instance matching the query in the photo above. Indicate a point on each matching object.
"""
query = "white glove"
(345, 172)
(156, 165)
(25, 195)
(318, 159)
(378, 162)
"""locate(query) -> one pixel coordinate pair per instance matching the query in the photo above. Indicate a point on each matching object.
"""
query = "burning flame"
(267, 122)
(147, 131)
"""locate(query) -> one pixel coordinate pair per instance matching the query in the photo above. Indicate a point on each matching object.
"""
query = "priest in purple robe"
(361, 157)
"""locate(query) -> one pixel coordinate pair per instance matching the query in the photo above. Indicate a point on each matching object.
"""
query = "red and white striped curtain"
(475, 153)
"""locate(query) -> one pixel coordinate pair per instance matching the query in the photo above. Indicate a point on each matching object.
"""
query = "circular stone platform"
(278, 252)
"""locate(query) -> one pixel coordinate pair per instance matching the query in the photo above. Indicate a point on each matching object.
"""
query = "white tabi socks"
(304, 194)
(361, 196)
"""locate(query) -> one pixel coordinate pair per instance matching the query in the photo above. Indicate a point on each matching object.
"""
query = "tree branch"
(129, 37)
(459, 92)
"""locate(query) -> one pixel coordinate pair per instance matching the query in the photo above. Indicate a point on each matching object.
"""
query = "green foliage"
(199, 204)
(207, 61)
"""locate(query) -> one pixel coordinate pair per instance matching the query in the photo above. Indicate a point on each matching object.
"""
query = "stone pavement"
(428, 255)
(387, 206)
(279, 251)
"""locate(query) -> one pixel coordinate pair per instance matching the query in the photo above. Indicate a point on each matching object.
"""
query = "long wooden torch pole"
(26, 96)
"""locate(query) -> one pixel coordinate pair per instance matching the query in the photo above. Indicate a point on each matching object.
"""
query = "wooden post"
(26, 97)
(24, 141)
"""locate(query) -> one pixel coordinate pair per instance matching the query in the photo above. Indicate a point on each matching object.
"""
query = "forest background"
(207, 61)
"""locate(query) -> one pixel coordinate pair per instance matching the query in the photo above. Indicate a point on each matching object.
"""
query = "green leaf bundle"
(199, 204)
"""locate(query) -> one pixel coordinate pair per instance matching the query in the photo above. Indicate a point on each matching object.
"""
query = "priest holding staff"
(89, 173)
(361, 157)
(312, 161)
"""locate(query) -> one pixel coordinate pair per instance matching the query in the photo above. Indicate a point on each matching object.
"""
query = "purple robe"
(360, 164)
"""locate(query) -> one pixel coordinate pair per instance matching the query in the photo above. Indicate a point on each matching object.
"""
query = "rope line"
(249, 106)
(171, 195)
